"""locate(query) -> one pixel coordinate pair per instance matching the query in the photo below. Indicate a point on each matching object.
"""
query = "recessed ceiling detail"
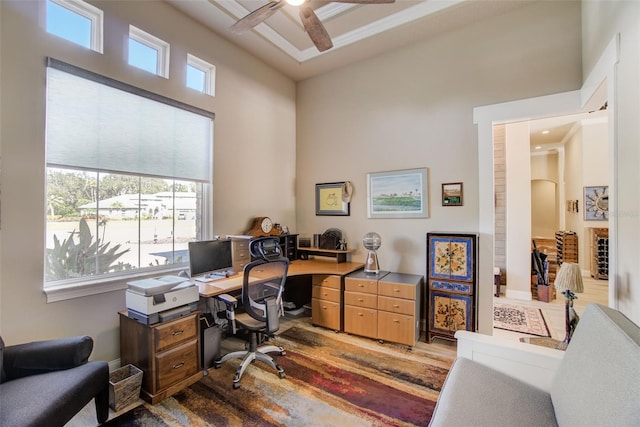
(326, 12)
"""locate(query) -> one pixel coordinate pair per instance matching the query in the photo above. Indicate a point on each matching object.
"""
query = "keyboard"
(229, 283)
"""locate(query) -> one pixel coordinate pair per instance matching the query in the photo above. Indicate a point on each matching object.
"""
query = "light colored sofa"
(596, 382)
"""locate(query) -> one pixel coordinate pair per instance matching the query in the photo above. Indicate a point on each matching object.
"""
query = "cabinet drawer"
(397, 305)
(398, 328)
(325, 313)
(176, 364)
(397, 290)
(326, 294)
(361, 321)
(359, 299)
(361, 285)
(447, 286)
(172, 333)
(325, 280)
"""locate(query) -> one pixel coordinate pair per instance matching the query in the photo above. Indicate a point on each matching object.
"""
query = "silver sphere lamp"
(371, 241)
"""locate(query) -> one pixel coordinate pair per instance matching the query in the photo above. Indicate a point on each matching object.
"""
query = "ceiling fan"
(312, 24)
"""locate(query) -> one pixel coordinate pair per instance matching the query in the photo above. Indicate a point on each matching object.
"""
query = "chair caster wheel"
(217, 365)
(236, 386)
(282, 375)
(283, 353)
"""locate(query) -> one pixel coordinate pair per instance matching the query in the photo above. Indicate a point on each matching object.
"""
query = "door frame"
(599, 88)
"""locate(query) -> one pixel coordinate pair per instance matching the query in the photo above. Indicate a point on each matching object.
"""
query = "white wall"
(413, 108)
(255, 113)
(517, 150)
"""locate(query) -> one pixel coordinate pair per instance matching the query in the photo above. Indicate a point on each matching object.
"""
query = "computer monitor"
(210, 256)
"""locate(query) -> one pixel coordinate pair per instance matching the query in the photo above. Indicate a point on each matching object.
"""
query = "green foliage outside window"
(79, 255)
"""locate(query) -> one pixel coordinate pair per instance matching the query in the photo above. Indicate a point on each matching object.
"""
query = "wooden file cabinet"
(399, 308)
(361, 304)
(385, 306)
(168, 354)
(326, 300)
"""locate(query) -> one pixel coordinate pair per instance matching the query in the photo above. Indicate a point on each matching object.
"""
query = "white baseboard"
(521, 295)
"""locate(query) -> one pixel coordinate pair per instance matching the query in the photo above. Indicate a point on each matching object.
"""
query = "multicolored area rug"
(517, 318)
(331, 380)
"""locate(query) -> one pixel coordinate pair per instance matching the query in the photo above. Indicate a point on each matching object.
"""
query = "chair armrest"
(44, 356)
(532, 364)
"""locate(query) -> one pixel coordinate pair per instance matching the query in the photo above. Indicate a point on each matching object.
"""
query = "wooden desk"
(296, 268)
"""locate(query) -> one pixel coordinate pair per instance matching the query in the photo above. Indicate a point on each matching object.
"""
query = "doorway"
(599, 88)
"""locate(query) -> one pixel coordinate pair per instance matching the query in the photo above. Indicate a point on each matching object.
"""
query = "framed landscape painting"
(397, 194)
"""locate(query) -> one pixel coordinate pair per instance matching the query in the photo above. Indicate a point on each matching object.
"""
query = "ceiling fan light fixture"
(295, 2)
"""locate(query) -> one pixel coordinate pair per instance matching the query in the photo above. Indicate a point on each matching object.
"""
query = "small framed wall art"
(452, 194)
(330, 199)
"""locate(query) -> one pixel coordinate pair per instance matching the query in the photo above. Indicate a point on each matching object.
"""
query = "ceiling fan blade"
(315, 29)
(364, 1)
(257, 16)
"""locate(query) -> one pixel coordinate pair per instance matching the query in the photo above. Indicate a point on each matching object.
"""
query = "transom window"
(201, 75)
(128, 179)
(148, 52)
(76, 21)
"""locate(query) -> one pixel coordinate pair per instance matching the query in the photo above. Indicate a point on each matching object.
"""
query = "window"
(128, 179)
(76, 21)
(201, 75)
(148, 52)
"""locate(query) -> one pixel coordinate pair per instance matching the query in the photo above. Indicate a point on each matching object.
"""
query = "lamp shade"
(569, 278)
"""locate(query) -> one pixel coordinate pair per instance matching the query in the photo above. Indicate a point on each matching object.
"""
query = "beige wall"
(254, 125)
(413, 108)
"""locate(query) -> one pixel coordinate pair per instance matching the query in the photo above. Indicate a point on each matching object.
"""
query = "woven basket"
(124, 387)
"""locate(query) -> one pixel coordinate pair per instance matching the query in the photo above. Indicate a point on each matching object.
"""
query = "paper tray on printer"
(159, 285)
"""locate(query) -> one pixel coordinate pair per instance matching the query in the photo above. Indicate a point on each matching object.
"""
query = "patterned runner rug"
(331, 380)
(517, 318)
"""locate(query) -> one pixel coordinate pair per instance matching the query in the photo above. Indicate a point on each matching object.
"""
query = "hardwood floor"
(594, 291)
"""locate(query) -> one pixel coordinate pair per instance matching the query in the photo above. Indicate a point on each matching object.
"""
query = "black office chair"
(262, 289)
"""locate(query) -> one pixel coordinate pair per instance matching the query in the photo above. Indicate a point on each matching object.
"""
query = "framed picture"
(452, 194)
(397, 194)
(596, 203)
(330, 200)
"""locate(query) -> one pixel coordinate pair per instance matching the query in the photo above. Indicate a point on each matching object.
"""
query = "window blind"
(94, 122)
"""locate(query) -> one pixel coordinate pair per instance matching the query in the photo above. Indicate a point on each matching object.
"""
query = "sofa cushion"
(476, 395)
(598, 382)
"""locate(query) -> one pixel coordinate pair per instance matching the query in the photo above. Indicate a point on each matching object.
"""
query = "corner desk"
(327, 280)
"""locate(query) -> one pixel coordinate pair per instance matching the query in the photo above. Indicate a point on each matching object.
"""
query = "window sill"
(71, 290)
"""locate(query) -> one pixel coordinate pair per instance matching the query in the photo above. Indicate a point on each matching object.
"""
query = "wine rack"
(600, 253)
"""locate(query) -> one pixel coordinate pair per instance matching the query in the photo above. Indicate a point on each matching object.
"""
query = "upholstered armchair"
(46, 383)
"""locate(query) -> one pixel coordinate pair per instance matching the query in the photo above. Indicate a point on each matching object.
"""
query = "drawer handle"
(360, 300)
(396, 321)
(325, 294)
(396, 306)
(180, 332)
(360, 314)
(360, 285)
(178, 366)
(396, 290)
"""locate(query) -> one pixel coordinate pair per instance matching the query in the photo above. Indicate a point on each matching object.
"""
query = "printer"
(161, 299)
